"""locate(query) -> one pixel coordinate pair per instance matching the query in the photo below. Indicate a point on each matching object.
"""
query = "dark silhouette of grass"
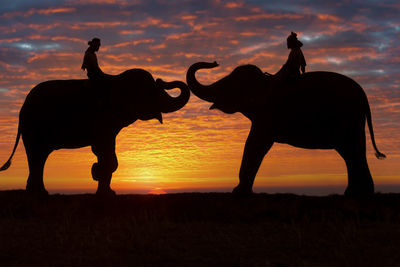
(199, 229)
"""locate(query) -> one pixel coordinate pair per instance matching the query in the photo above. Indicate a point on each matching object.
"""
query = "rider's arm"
(303, 63)
(90, 62)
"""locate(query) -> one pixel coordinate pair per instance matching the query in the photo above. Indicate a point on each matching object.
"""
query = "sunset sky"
(197, 149)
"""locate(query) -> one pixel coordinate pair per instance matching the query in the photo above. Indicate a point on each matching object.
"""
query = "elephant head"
(233, 93)
(148, 99)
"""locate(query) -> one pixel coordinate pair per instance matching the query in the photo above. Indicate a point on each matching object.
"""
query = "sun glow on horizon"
(157, 191)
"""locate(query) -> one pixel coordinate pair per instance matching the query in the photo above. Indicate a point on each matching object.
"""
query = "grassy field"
(199, 229)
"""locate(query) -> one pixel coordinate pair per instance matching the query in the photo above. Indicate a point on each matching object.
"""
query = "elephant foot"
(105, 192)
(359, 191)
(242, 191)
(37, 191)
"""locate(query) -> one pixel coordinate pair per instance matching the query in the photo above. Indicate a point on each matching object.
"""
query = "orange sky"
(197, 149)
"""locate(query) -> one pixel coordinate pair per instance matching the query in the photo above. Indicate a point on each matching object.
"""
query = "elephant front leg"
(107, 164)
(257, 146)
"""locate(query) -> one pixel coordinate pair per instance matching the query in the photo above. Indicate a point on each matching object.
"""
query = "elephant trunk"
(168, 103)
(205, 92)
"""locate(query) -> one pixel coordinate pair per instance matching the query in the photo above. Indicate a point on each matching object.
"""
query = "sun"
(157, 191)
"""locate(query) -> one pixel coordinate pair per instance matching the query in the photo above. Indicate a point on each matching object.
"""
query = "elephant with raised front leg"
(319, 110)
(72, 114)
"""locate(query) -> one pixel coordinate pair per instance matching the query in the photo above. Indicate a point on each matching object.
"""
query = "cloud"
(30, 12)
(233, 5)
(252, 48)
(269, 16)
(103, 2)
(132, 32)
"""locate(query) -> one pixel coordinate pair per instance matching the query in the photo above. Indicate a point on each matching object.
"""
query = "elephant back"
(135, 75)
(323, 84)
(133, 84)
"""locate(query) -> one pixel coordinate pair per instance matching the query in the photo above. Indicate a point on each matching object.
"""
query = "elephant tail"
(8, 163)
(378, 154)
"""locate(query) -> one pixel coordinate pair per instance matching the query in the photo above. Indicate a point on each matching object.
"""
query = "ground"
(197, 229)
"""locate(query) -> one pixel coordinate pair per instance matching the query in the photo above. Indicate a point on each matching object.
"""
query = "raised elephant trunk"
(205, 92)
(169, 103)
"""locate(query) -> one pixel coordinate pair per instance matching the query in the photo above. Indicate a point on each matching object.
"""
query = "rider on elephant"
(90, 63)
(94, 73)
(295, 62)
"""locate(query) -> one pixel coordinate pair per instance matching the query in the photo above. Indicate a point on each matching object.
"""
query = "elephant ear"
(228, 103)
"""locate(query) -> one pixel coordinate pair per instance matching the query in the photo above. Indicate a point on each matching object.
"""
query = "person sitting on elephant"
(95, 74)
(90, 63)
(295, 62)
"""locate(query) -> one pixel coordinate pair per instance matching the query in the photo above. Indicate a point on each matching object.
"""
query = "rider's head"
(293, 42)
(94, 44)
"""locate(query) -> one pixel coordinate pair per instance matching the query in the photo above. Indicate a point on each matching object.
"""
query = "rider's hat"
(293, 42)
(94, 41)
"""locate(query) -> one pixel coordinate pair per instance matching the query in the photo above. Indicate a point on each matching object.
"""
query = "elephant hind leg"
(360, 181)
(103, 169)
(36, 161)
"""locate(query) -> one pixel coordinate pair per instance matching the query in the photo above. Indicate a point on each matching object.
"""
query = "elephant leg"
(360, 181)
(107, 163)
(36, 160)
(257, 146)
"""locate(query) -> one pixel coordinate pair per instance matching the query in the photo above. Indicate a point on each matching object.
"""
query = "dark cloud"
(17, 5)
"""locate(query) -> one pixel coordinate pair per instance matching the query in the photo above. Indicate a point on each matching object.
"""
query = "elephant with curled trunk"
(74, 113)
(318, 110)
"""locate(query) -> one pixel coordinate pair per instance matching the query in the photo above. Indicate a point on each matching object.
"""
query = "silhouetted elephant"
(320, 110)
(74, 114)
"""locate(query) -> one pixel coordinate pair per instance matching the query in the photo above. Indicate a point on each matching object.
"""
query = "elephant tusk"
(159, 118)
